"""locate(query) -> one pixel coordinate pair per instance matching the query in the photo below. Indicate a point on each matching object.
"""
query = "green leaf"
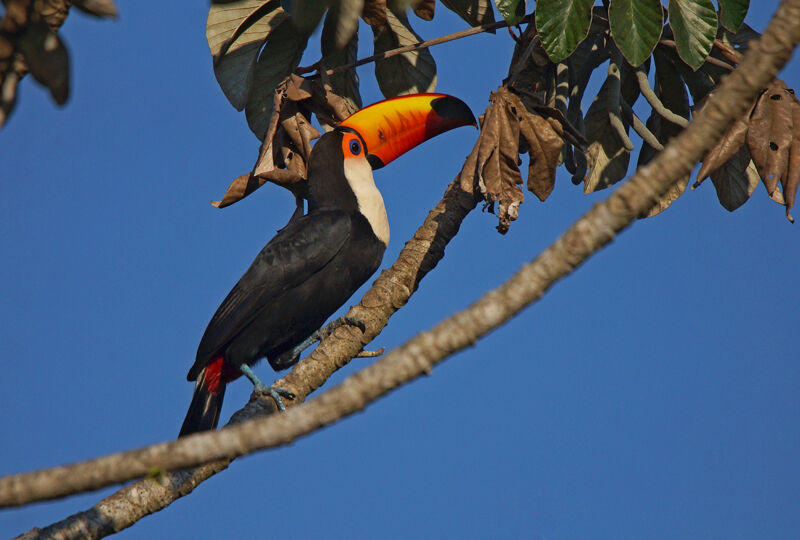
(281, 54)
(694, 23)
(732, 12)
(236, 31)
(636, 27)
(562, 24)
(406, 73)
(305, 14)
(475, 12)
(511, 10)
(344, 84)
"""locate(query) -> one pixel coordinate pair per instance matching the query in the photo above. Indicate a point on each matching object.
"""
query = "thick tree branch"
(586, 236)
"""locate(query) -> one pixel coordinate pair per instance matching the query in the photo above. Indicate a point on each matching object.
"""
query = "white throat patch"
(358, 173)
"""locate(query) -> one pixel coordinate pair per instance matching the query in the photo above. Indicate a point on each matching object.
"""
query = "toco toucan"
(313, 265)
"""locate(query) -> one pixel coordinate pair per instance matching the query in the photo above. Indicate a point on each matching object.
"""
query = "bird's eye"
(355, 147)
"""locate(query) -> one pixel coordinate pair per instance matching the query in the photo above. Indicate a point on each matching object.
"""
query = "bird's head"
(342, 161)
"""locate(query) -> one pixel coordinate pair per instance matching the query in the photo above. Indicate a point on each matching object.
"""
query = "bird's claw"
(342, 321)
(276, 393)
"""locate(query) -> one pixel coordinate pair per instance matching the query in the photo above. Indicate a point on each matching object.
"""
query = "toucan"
(314, 264)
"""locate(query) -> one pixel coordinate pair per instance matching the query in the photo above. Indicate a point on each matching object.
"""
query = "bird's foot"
(341, 321)
(274, 392)
(321, 334)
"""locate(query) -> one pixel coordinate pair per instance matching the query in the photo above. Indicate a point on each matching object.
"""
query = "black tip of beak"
(375, 161)
(451, 108)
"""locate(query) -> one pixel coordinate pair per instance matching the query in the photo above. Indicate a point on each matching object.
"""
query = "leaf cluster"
(283, 156)
(30, 43)
(257, 44)
(684, 49)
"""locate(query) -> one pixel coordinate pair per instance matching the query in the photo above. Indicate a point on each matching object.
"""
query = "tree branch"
(586, 236)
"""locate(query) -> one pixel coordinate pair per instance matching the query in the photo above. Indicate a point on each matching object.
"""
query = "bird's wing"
(296, 253)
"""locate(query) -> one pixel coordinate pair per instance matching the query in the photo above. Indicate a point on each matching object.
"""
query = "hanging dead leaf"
(770, 134)
(52, 12)
(374, 13)
(424, 9)
(725, 148)
(790, 181)
(329, 107)
(497, 166)
(284, 153)
(542, 138)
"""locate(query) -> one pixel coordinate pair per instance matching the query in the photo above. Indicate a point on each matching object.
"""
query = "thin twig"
(413, 47)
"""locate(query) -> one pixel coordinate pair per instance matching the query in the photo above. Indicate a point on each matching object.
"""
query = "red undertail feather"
(203, 414)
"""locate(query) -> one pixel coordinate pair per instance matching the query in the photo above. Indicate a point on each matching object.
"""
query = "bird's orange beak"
(392, 127)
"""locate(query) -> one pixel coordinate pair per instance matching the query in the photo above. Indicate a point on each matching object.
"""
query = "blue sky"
(652, 394)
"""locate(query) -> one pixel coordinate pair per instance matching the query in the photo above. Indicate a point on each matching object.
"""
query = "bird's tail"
(209, 390)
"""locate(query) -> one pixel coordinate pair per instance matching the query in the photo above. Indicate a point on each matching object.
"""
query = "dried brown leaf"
(330, 107)
(790, 181)
(424, 9)
(52, 12)
(374, 13)
(283, 156)
(770, 134)
(725, 148)
(297, 88)
(246, 184)
(497, 166)
(543, 140)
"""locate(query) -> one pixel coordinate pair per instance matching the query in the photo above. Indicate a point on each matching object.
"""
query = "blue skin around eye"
(355, 147)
